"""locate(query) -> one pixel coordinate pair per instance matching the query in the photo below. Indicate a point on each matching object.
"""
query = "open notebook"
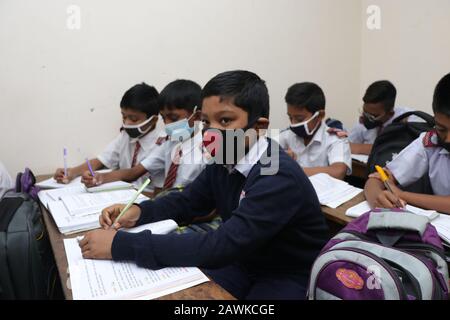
(333, 192)
(88, 214)
(105, 279)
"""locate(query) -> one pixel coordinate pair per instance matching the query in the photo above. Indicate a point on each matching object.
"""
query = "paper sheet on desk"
(333, 192)
(104, 279)
(363, 207)
(361, 158)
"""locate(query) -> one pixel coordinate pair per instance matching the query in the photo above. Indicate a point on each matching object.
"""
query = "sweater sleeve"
(197, 199)
(270, 203)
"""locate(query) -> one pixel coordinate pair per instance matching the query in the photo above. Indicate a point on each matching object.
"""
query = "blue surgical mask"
(180, 130)
(301, 129)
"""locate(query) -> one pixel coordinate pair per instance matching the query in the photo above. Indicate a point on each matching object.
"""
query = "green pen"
(145, 184)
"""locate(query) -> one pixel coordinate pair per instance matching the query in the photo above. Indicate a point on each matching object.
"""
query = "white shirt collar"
(252, 157)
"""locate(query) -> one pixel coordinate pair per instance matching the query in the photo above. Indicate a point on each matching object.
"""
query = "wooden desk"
(359, 169)
(338, 215)
(205, 291)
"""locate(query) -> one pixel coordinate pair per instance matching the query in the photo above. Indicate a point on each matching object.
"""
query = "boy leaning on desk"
(427, 155)
(273, 226)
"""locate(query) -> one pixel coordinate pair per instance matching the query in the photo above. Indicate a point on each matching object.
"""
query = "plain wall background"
(61, 87)
(412, 49)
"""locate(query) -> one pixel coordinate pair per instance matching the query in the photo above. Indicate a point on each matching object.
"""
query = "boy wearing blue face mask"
(179, 159)
(142, 127)
(315, 147)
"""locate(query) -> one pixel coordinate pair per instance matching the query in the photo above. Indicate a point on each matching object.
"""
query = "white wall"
(412, 49)
(61, 87)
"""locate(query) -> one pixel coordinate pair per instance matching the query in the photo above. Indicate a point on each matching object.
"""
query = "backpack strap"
(423, 115)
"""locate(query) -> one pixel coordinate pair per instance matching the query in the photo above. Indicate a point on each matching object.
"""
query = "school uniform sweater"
(271, 223)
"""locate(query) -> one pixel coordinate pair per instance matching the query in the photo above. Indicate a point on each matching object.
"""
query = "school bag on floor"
(394, 138)
(382, 255)
(27, 266)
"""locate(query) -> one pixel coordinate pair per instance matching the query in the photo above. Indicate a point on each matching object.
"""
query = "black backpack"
(27, 266)
(394, 138)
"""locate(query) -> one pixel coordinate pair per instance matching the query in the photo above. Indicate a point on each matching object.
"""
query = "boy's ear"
(262, 124)
(196, 116)
(322, 114)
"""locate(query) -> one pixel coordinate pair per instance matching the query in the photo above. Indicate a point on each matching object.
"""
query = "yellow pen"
(384, 179)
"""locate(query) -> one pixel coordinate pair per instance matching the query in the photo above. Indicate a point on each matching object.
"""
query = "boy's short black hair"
(141, 97)
(441, 98)
(181, 94)
(245, 88)
(381, 92)
(306, 95)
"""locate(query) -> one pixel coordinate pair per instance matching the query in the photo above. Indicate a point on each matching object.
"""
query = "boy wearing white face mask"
(180, 157)
(309, 140)
(142, 127)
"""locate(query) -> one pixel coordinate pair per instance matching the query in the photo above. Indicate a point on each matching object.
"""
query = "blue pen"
(65, 161)
(90, 168)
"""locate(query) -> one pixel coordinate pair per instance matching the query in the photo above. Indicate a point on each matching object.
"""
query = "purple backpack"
(382, 255)
(25, 183)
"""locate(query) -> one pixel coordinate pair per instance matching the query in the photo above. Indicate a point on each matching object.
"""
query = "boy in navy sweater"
(273, 226)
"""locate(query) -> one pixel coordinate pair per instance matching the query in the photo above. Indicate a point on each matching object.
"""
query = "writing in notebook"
(102, 279)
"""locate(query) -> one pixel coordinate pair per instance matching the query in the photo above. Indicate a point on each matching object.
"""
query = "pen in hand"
(385, 180)
(131, 202)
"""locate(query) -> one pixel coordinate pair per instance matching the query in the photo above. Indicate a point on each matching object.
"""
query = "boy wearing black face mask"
(378, 111)
(141, 129)
(428, 154)
(309, 140)
(179, 158)
(273, 226)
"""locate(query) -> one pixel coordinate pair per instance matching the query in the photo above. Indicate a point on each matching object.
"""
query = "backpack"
(382, 255)
(27, 265)
(394, 138)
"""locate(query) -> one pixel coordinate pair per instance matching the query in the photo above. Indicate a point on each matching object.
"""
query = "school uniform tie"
(172, 174)
(135, 153)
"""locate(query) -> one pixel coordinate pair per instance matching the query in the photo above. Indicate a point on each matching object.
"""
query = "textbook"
(106, 279)
(91, 203)
(68, 223)
(333, 192)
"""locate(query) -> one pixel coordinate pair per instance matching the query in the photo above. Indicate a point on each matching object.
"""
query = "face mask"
(301, 129)
(443, 144)
(135, 131)
(371, 123)
(180, 130)
(218, 143)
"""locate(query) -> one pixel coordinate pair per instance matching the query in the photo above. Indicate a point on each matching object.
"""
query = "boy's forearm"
(79, 170)
(360, 148)
(372, 189)
(426, 201)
